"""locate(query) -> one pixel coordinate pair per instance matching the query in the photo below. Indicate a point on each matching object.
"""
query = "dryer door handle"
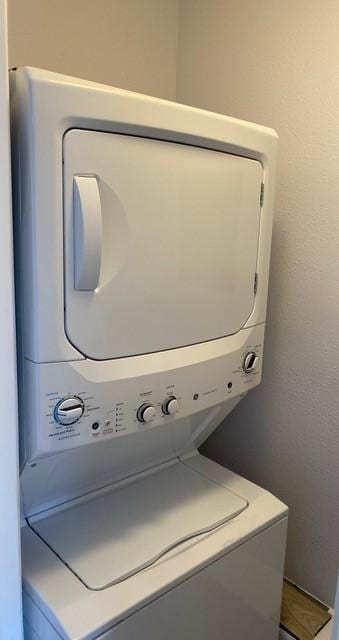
(87, 229)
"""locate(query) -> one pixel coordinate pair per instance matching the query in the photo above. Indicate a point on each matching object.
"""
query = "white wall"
(126, 43)
(335, 632)
(10, 573)
(274, 62)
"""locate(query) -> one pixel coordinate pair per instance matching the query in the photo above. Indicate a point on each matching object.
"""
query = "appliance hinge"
(262, 191)
(255, 287)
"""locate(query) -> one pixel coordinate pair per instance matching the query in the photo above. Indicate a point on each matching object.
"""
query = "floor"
(302, 616)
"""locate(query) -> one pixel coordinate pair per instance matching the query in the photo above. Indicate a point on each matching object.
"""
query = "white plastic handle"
(87, 226)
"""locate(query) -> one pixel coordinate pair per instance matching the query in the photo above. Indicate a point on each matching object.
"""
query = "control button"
(69, 410)
(250, 362)
(170, 406)
(146, 413)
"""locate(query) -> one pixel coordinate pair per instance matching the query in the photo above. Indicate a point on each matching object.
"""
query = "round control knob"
(146, 413)
(170, 406)
(69, 410)
(250, 362)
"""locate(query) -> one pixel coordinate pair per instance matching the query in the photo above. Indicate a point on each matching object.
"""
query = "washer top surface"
(106, 539)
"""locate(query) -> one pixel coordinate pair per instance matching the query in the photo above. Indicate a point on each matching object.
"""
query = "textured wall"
(127, 43)
(274, 63)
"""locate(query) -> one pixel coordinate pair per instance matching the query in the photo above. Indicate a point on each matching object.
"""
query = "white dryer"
(142, 234)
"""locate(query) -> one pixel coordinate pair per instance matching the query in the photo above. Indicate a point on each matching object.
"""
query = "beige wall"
(126, 43)
(274, 62)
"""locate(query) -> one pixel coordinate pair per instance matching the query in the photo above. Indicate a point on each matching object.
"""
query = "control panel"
(83, 402)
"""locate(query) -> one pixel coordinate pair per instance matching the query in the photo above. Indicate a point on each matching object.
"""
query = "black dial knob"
(250, 361)
(146, 412)
(69, 410)
(170, 406)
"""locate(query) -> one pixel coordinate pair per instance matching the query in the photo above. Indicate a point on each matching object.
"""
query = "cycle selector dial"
(146, 413)
(69, 410)
(250, 362)
(170, 406)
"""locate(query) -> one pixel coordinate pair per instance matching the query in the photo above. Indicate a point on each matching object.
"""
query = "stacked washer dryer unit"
(143, 232)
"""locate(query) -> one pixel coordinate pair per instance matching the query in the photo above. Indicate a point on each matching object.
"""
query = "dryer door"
(161, 243)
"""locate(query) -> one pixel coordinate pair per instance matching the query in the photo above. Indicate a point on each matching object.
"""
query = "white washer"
(143, 232)
(225, 583)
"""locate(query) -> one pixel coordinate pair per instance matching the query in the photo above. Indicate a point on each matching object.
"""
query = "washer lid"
(110, 537)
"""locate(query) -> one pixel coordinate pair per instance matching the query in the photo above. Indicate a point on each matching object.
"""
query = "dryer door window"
(160, 242)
